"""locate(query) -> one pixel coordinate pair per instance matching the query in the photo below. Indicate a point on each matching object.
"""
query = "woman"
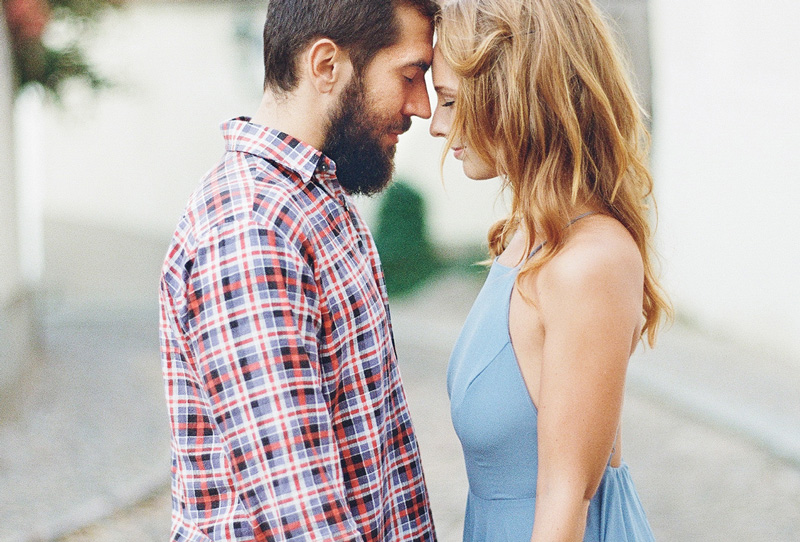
(533, 91)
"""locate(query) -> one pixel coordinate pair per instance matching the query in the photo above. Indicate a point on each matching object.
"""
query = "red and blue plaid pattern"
(289, 420)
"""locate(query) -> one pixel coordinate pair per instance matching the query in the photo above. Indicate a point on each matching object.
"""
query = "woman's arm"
(590, 301)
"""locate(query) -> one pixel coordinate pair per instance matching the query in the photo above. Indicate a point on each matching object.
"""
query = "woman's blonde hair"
(544, 96)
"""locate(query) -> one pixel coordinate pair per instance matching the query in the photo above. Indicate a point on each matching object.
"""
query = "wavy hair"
(543, 95)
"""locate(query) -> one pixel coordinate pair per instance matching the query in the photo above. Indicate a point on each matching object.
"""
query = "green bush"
(38, 62)
(403, 240)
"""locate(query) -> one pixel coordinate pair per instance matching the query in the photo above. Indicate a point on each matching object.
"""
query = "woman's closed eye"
(446, 99)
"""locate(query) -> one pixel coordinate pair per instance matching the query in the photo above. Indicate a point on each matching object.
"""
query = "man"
(289, 421)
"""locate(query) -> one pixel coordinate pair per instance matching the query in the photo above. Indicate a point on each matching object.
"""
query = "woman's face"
(445, 82)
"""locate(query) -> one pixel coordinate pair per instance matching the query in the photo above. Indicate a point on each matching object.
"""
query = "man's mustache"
(401, 127)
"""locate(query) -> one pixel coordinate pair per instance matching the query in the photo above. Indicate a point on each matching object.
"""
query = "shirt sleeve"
(253, 445)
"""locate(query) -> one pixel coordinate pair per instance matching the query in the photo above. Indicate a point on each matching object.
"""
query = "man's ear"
(328, 65)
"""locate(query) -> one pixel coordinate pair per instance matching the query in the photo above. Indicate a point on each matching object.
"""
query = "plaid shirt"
(289, 420)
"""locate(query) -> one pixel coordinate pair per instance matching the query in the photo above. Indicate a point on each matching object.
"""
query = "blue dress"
(496, 421)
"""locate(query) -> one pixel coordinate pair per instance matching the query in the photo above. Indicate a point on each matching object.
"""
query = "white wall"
(15, 330)
(727, 165)
(8, 230)
(130, 156)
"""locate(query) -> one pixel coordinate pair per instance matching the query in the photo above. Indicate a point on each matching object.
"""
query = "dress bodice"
(496, 422)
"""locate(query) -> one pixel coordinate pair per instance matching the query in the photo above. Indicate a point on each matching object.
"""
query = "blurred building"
(725, 82)
(112, 171)
(15, 325)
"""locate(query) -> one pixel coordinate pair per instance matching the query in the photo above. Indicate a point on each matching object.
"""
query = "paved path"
(86, 433)
(710, 431)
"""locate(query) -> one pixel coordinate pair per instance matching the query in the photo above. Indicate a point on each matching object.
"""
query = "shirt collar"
(241, 135)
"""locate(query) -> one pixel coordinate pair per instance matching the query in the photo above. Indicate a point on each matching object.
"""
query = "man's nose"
(418, 103)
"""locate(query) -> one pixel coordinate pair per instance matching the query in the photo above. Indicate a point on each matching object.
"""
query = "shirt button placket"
(352, 225)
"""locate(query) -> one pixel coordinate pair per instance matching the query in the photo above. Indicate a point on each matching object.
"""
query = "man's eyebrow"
(421, 64)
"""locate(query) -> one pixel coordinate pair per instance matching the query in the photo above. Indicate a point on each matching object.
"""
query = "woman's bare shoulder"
(599, 261)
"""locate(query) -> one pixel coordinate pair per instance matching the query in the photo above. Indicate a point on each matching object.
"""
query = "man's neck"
(296, 114)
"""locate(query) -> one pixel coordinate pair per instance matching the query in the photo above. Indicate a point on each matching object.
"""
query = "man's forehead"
(412, 53)
(415, 41)
(400, 59)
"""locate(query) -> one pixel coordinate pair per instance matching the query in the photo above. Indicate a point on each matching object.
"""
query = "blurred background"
(109, 116)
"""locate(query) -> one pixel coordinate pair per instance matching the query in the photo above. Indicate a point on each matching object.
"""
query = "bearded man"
(288, 417)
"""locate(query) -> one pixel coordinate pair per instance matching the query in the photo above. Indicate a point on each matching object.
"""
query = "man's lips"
(398, 129)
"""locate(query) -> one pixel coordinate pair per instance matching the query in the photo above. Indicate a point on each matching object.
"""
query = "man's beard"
(363, 164)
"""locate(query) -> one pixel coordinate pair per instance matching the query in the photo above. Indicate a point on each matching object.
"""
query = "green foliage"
(401, 235)
(48, 67)
(38, 62)
(83, 9)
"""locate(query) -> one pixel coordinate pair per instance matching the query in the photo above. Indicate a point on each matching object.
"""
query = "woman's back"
(598, 257)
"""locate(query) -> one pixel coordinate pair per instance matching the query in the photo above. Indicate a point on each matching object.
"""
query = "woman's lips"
(458, 152)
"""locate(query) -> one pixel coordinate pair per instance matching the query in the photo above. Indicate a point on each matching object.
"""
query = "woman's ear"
(329, 66)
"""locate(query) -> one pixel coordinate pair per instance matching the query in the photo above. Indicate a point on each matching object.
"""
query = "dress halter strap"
(584, 215)
(570, 223)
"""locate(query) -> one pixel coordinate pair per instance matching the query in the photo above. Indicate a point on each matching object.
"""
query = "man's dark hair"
(361, 27)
